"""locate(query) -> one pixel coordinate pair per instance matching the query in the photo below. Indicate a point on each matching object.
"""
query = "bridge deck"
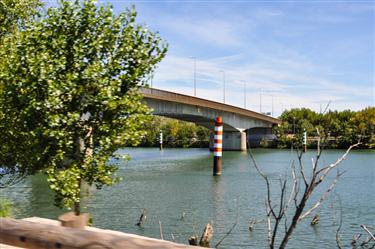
(158, 94)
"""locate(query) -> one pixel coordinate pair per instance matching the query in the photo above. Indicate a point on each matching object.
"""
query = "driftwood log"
(315, 220)
(206, 236)
(142, 219)
(193, 240)
(39, 235)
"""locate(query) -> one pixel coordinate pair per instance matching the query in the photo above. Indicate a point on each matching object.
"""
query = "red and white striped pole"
(218, 145)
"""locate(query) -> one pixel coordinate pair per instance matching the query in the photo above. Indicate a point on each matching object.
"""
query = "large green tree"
(69, 94)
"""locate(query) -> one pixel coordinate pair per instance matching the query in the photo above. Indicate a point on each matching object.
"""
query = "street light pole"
(195, 75)
(282, 107)
(260, 101)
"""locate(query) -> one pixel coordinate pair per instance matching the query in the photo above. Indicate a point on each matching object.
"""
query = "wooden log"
(75, 221)
(206, 236)
(35, 235)
(315, 220)
(193, 240)
(252, 223)
(142, 219)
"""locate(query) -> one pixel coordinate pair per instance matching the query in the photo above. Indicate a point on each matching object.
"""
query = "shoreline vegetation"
(337, 130)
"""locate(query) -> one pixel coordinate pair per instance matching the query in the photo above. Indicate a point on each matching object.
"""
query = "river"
(173, 183)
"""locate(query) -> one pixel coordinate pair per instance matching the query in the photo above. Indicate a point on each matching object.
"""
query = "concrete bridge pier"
(232, 140)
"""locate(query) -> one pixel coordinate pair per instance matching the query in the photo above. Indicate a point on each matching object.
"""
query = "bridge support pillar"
(232, 140)
(243, 141)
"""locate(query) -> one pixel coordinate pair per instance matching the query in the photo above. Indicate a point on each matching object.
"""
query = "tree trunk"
(296, 216)
(83, 150)
(77, 204)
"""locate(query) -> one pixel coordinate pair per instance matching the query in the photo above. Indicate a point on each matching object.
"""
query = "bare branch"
(269, 224)
(252, 223)
(301, 170)
(321, 199)
(267, 182)
(294, 186)
(318, 146)
(286, 224)
(355, 240)
(234, 225)
(325, 109)
(296, 194)
(275, 217)
(327, 169)
(318, 153)
(283, 190)
(338, 241)
(161, 231)
(368, 231)
(279, 217)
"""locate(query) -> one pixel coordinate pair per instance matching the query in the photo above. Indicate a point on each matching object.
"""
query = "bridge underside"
(235, 120)
(199, 120)
(233, 139)
(204, 116)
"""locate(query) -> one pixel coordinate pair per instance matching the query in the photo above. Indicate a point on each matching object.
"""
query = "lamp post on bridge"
(260, 100)
(195, 74)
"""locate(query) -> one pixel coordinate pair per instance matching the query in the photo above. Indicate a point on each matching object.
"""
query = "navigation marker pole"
(218, 145)
(304, 140)
(161, 141)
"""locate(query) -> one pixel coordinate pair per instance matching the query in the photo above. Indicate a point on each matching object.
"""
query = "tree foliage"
(69, 94)
(6, 208)
(338, 129)
(16, 14)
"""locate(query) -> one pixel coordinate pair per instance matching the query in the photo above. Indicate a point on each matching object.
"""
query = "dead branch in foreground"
(231, 229)
(277, 212)
(338, 240)
(368, 242)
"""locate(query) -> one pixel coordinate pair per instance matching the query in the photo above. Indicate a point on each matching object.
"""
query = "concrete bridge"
(237, 121)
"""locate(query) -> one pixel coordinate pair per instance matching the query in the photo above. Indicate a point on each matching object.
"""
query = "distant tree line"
(176, 134)
(337, 129)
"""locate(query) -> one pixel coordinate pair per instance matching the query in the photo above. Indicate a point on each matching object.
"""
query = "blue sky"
(298, 53)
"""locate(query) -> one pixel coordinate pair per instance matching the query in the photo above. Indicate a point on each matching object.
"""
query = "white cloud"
(211, 31)
(266, 46)
(291, 84)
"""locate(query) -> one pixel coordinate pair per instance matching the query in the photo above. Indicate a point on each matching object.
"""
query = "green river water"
(171, 182)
